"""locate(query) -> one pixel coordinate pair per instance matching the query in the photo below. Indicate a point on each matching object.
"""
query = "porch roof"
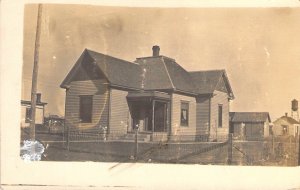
(137, 95)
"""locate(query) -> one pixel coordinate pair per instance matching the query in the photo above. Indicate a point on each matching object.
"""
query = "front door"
(160, 117)
(142, 116)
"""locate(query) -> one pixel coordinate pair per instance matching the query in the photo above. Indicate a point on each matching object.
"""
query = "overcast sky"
(258, 47)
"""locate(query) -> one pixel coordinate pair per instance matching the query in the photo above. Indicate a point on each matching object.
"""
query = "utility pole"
(35, 72)
(298, 149)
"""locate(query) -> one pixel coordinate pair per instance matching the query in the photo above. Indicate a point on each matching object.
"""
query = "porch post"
(165, 117)
(168, 119)
(153, 107)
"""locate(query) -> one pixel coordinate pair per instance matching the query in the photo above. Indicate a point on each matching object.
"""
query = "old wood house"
(250, 125)
(154, 94)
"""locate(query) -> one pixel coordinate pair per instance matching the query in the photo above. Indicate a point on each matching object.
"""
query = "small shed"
(250, 125)
(285, 126)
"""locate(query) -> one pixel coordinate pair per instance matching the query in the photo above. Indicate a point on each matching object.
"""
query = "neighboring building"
(250, 125)
(26, 112)
(285, 126)
(155, 93)
(54, 124)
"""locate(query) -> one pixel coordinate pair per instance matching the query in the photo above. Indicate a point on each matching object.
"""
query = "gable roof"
(150, 73)
(249, 116)
(207, 81)
(164, 73)
(156, 76)
(118, 72)
(180, 78)
(288, 119)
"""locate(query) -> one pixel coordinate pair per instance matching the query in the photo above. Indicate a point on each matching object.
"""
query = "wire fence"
(277, 151)
(161, 147)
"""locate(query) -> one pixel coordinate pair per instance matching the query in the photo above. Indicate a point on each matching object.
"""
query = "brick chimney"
(38, 97)
(155, 50)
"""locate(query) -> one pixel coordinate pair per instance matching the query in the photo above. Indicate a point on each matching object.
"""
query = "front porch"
(150, 115)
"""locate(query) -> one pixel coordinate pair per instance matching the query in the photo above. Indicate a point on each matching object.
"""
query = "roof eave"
(64, 86)
(185, 92)
(73, 70)
(123, 87)
(205, 94)
(231, 94)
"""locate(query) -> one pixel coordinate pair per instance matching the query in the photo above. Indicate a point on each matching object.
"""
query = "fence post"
(273, 146)
(64, 134)
(230, 145)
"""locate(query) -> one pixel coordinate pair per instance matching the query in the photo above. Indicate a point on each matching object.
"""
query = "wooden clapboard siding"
(237, 130)
(183, 132)
(98, 89)
(278, 127)
(216, 100)
(119, 114)
(202, 115)
(254, 130)
(250, 129)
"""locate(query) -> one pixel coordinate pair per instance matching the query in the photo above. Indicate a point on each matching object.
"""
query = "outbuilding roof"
(287, 119)
(249, 117)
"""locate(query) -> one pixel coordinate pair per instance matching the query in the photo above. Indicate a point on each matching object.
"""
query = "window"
(220, 116)
(184, 118)
(28, 115)
(86, 107)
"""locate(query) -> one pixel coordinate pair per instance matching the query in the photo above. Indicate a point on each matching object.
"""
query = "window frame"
(82, 117)
(28, 115)
(220, 116)
(185, 124)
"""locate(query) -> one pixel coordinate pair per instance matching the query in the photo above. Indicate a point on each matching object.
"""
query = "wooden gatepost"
(230, 145)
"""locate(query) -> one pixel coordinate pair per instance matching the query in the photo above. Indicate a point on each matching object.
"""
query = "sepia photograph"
(148, 96)
(161, 85)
